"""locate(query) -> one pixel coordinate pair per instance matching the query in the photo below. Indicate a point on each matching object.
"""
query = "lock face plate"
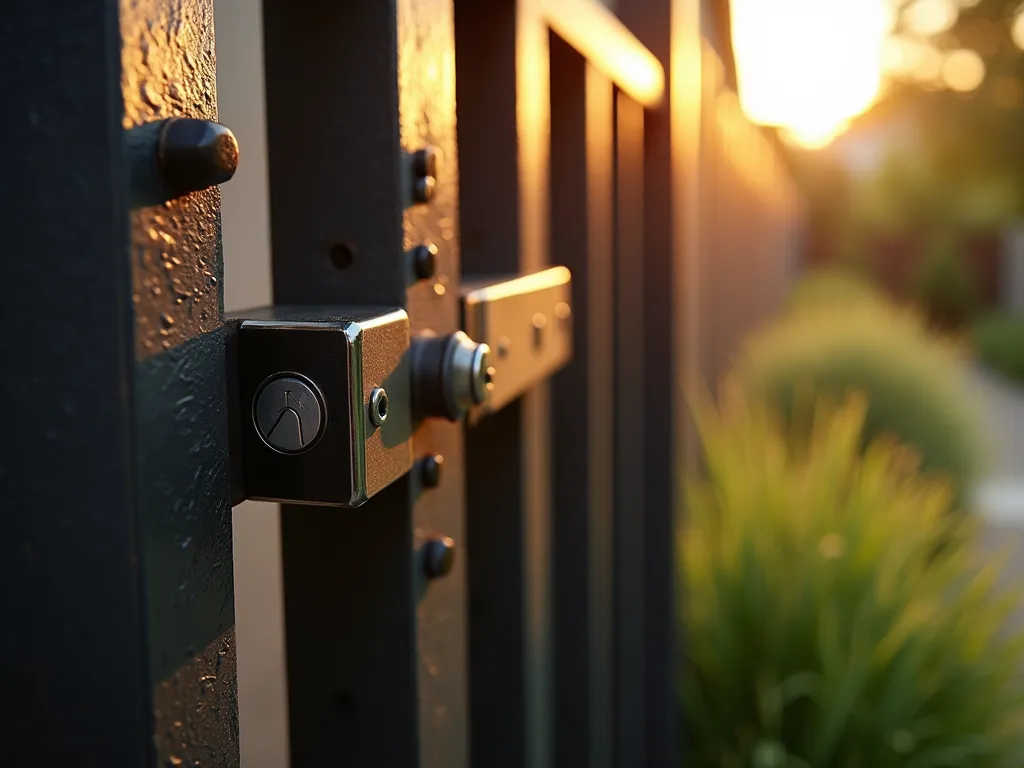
(305, 380)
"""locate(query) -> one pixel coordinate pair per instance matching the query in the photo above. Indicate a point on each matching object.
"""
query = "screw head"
(196, 154)
(379, 406)
(483, 374)
(430, 470)
(288, 414)
(424, 260)
(438, 557)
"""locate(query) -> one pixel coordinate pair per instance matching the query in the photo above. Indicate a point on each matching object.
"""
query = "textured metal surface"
(583, 237)
(387, 687)
(185, 524)
(527, 323)
(198, 724)
(168, 70)
(382, 345)
(72, 648)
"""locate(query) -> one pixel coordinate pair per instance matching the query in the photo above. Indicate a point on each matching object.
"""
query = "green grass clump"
(913, 381)
(830, 287)
(833, 616)
(998, 341)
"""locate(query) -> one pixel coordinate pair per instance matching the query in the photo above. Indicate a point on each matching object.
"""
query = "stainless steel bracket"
(322, 403)
(527, 323)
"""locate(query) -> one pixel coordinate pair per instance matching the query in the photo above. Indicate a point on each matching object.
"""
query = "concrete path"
(1000, 498)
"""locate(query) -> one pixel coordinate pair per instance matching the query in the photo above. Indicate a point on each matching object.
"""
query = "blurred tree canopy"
(952, 161)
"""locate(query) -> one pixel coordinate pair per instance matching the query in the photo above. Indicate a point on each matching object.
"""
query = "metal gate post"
(637, 414)
(502, 82)
(116, 517)
(73, 642)
(375, 658)
(582, 230)
(671, 30)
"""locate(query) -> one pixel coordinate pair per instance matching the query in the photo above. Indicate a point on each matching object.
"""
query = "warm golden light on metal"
(609, 46)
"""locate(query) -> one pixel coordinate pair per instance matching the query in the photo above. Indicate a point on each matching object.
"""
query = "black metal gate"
(418, 150)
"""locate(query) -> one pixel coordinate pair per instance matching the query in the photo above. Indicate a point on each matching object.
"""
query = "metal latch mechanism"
(325, 401)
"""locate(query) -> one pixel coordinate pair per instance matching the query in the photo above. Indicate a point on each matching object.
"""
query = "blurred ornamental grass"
(831, 287)
(913, 380)
(824, 625)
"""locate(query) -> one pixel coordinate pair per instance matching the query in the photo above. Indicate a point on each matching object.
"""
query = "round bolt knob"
(430, 470)
(288, 414)
(451, 374)
(424, 261)
(438, 557)
(196, 154)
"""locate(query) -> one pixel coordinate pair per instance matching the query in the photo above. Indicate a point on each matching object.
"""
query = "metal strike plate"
(323, 401)
(527, 322)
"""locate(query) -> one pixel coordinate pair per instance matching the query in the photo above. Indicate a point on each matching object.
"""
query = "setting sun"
(809, 66)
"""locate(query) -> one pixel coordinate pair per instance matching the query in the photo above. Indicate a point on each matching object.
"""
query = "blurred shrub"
(821, 628)
(946, 287)
(913, 382)
(830, 287)
(998, 341)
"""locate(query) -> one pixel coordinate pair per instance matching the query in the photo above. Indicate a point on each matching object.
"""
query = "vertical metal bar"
(671, 30)
(375, 658)
(73, 643)
(502, 80)
(582, 187)
(635, 415)
(168, 66)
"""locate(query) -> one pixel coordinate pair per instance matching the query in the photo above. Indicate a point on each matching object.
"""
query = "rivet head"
(424, 162)
(379, 406)
(438, 557)
(193, 155)
(424, 172)
(430, 470)
(424, 259)
(423, 192)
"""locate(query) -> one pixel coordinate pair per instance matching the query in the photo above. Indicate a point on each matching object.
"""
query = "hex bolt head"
(379, 406)
(193, 155)
(424, 261)
(430, 470)
(438, 557)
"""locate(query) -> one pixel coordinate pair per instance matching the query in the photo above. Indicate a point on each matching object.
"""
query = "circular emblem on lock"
(288, 413)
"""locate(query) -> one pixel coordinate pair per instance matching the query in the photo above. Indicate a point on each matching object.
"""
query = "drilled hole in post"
(342, 255)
